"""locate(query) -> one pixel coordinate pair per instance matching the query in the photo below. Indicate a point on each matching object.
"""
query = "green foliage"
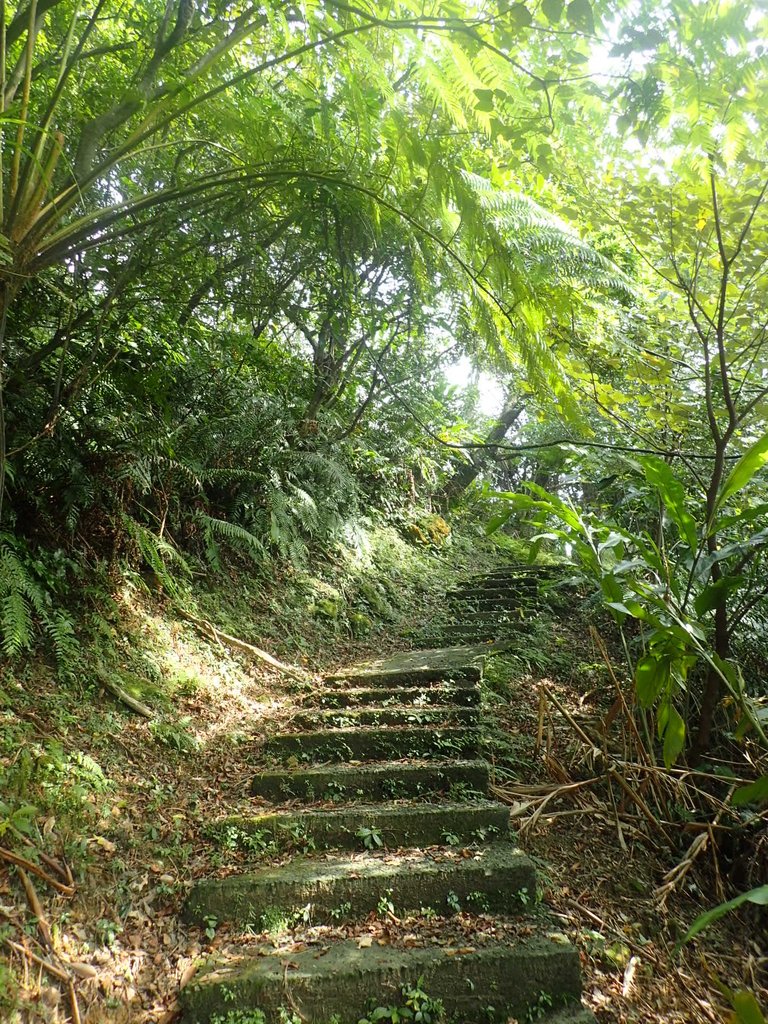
(220, 288)
(637, 580)
(758, 896)
(29, 587)
(417, 1006)
(8, 988)
(370, 837)
(175, 735)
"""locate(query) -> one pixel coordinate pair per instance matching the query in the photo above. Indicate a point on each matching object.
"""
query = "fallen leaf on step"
(105, 844)
(189, 972)
(84, 970)
(365, 942)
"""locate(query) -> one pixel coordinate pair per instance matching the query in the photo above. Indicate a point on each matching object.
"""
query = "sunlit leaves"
(745, 469)
(580, 16)
(553, 10)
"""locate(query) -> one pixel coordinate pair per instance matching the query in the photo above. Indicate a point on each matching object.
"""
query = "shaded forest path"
(384, 790)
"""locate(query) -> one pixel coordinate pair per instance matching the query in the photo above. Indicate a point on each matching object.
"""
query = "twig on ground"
(36, 907)
(56, 972)
(117, 691)
(213, 633)
(28, 865)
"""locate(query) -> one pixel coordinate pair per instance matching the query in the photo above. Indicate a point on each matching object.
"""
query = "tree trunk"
(713, 683)
(467, 472)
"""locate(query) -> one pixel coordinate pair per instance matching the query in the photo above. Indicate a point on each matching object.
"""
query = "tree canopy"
(241, 244)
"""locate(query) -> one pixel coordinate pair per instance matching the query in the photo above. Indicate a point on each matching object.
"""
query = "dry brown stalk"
(52, 969)
(574, 724)
(28, 865)
(213, 633)
(36, 907)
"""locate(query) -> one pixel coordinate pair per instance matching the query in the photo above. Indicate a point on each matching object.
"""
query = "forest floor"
(128, 802)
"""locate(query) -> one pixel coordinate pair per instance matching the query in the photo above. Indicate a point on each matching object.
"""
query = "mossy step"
(373, 782)
(471, 617)
(572, 1014)
(390, 825)
(344, 981)
(513, 594)
(463, 696)
(476, 632)
(341, 718)
(481, 623)
(369, 744)
(445, 664)
(506, 602)
(538, 570)
(498, 879)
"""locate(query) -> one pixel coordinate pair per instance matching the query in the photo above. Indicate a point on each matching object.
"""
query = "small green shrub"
(417, 1006)
(175, 735)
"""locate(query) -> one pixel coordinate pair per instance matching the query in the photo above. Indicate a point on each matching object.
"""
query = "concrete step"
(500, 591)
(497, 879)
(388, 744)
(487, 616)
(571, 1014)
(388, 826)
(344, 981)
(467, 695)
(415, 668)
(352, 718)
(476, 632)
(484, 604)
(374, 782)
(522, 569)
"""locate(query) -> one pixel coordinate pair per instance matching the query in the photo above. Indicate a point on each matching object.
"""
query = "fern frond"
(232, 533)
(15, 624)
(156, 551)
(61, 631)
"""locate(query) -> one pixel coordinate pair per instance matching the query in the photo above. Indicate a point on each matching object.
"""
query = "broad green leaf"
(628, 607)
(533, 550)
(651, 678)
(612, 589)
(750, 463)
(746, 1008)
(747, 515)
(484, 101)
(755, 792)
(674, 737)
(519, 15)
(552, 10)
(758, 896)
(498, 520)
(711, 595)
(580, 17)
(672, 493)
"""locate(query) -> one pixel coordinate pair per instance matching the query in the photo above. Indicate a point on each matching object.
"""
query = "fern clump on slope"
(29, 608)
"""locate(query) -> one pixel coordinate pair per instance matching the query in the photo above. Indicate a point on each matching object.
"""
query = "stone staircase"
(489, 607)
(394, 748)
